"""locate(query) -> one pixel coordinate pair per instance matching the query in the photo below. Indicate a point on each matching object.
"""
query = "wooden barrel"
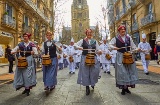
(127, 58)
(58, 56)
(22, 63)
(71, 59)
(108, 56)
(90, 61)
(46, 60)
(147, 57)
(64, 56)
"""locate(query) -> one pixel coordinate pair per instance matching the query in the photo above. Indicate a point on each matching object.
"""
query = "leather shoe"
(87, 90)
(123, 92)
(127, 90)
(24, 91)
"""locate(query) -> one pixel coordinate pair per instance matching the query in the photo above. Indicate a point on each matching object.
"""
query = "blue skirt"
(50, 73)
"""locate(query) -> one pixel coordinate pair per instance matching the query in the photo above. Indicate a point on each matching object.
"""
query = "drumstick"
(88, 49)
(123, 47)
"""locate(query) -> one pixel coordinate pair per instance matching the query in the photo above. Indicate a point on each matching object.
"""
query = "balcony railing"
(148, 19)
(29, 2)
(9, 20)
(135, 26)
(122, 12)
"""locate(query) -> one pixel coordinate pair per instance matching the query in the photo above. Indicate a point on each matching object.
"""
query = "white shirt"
(34, 49)
(113, 42)
(49, 43)
(79, 44)
(145, 47)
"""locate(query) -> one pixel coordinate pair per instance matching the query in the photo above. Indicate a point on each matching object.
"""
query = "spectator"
(155, 53)
(10, 58)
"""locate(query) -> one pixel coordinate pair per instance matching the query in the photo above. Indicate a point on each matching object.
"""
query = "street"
(68, 92)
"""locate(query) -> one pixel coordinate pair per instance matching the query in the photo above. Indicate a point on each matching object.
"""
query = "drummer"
(105, 48)
(144, 48)
(126, 75)
(50, 72)
(25, 77)
(71, 53)
(88, 75)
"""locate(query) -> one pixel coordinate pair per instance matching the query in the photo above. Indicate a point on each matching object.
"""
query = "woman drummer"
(50, 72)
(88, 75)
(126, 74)
(25, 77)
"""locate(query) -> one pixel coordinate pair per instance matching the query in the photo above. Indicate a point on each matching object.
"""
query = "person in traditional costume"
(144, 48)
(113, 59)
(126, 75)
(65, 57)
(106, 62)
(88, 75)
(60, 60)
(25, 77)
(78, 58)
(49, 47)
(71, 52)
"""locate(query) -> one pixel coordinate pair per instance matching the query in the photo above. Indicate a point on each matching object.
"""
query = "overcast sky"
(95, 10)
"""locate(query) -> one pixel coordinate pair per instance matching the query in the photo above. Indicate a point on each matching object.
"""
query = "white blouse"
(79, 44)
(113, 42)
(34, 49)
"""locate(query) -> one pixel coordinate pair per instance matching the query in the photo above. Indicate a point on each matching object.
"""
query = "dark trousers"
(10, 66)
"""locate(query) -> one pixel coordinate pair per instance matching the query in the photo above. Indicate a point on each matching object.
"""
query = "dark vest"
(120, 43)
(22, 47)
(85, 45)
(52, 50)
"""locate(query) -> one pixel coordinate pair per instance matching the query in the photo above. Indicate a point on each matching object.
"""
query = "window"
(36, 28)
(79, 15)
(134, 18)
(79, 1)
(9, 10)
(124, 5)
(26, 21)
(149, 8)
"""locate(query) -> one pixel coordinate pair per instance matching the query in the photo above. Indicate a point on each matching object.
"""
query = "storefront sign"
(6, 34)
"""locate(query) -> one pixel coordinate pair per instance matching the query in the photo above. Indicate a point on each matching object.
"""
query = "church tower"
(79, 19)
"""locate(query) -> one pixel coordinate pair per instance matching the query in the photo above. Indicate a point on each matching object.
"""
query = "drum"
(71, 59)
(64, 56)
(22, 63)
(127, 58)
(58, 56)
(46, 60)
(158, 43)
(108, 56)
(147, 57)
(89, 61)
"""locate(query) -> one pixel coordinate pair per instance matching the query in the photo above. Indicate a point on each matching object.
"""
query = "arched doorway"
(152, 39)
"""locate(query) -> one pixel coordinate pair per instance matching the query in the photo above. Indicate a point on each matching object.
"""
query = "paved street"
(68, 92)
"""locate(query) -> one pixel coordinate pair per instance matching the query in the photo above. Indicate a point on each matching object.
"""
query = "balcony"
(10, 21)
(135, 26)
(148, 19)
(41, 13)
(122, 12)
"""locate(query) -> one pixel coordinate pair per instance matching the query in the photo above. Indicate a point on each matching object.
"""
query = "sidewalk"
(6, 77)
(153, 66)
